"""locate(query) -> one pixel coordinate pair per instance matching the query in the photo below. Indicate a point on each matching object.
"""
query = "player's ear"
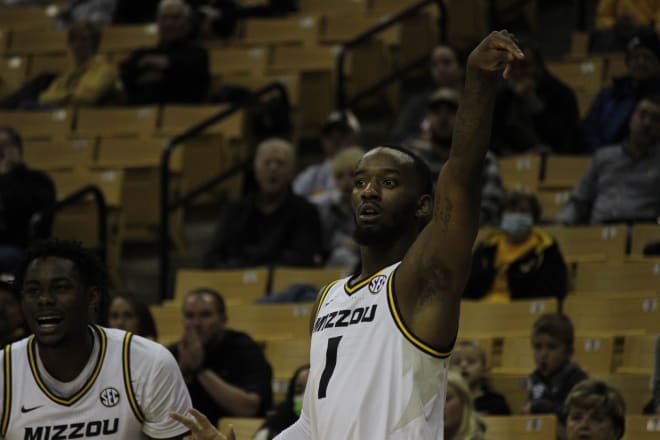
(424, 206)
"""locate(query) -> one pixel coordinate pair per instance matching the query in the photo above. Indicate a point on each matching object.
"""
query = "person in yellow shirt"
(518, 261)
(91, 81)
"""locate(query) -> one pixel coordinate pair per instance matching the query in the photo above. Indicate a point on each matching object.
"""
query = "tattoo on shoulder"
(444, 211)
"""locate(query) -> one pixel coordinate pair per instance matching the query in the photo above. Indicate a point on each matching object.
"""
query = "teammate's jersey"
(106, 406)
(370, 377)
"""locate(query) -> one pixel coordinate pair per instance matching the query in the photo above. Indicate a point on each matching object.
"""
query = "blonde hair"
(348, 157)
(470, 427)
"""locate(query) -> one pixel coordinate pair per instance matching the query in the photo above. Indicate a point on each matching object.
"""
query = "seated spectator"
(534, 111)
(653, 407)
(555, 374)
(176, 70)
(461, 421)
(91, 81)
(606, 122)
(339, 131)
(617, 21)
(92, 11)
(336, 211)
(271, 225)
(287, 412)
(129, 313)
(621, 182)
(652, 249)
(434, 145)
(214, 18)
(447, 70)
(226, 371)
(469, 360)
(519, 261)
(23, 193)
(12, 325)
(594, 410)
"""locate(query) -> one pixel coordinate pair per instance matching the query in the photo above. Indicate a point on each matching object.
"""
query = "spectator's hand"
(191, 351)
(160, 62)
(495, 52)
(201, 428)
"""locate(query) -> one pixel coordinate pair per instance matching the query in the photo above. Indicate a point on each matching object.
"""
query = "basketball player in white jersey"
(380, 339)
(74, 379)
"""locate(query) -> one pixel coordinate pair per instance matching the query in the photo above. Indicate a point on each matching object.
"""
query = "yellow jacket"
(643, 12)
(84, 85)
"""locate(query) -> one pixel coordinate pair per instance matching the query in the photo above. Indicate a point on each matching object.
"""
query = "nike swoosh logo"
(27, 410)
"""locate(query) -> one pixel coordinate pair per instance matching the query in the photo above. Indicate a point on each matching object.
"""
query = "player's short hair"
(422, 170)
(13, 135)
(604, 400)
(217, 297)
(91, 271)
(558, 326)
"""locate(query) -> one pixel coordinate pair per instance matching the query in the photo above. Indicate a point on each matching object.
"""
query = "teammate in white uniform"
(73, 379)
(380, 339)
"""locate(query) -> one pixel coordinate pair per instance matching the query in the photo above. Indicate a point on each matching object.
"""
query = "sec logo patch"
(109, 397)
(377, 284)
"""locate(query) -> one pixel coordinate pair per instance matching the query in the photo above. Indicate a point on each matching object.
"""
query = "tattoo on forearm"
(444, 211)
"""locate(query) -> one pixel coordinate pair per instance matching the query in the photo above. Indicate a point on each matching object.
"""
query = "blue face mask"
(516, 224)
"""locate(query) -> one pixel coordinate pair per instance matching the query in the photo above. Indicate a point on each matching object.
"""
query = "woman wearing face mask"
(519, 261)
(286, 413)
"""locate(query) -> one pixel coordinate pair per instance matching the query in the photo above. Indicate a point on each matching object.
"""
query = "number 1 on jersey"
(330, 363)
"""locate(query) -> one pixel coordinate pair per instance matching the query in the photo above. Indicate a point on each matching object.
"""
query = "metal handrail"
(165, 205)
(71, 199)
(342, 99)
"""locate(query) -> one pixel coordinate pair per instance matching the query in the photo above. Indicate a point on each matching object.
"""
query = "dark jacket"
(541, 272)
(547, 394)
(606, 122)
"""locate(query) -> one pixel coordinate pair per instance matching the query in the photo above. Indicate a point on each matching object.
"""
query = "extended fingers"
(506, 42)
(203, 421)
(186, 421)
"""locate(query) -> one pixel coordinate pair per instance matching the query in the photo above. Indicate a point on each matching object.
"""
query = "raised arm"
(429, 282)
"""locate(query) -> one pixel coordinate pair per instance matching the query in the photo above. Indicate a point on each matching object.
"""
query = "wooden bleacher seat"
(638, 354)
(137, 122)
(642, 427)
(24, 17)
(266, 322)
(515, 318)
(337, 7)
(390, 6)
(520, 172)
(168, 321)
(237, 286)
(591, 243)
(238, 60)
(127, 38)
(42, 125)
(244, 427)
(178, 118)
(283, 277)
(629, 276)
(636, 390)
(585, 77)
(49, 63)
(614, 316)
(303, 30)
(564, 172)
(579, 48)
(13, 72)
(68, 155)
(521, 427)
(38, 41)
(643, 234)
(338, 29)
(593, 353)
(302, 58)
(514, 387)
(285, 356)
(552, 201)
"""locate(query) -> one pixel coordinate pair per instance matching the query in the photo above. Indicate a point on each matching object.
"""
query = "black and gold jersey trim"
(6, 404)
(394, 310)
(324, 292)
(126, 367)
(81, 392)
(350, 290)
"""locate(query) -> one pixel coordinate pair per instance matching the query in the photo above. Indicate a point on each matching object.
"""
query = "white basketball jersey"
(370, 377)
(104, 408)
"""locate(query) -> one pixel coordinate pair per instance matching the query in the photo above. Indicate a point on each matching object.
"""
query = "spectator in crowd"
(617, 21)
(287, 412)
(340, 130)
(271, 225)
(226, 371)
(92, 80)
(469, 359)
(132, 12)
(214, 17)
(447, 70)
(555, 373)
(594, 410)
(653, 407)
(12, 325)
(519, 261)
(534, 111)
(94, 11)
(129, 313)
(434, 145)
(606, 122)
(461, 420)
(621, 182)
(23, 193)
(176, 70)
(336, 211)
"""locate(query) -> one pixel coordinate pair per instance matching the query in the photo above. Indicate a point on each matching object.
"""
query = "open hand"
(201, 428)
(496, 52)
